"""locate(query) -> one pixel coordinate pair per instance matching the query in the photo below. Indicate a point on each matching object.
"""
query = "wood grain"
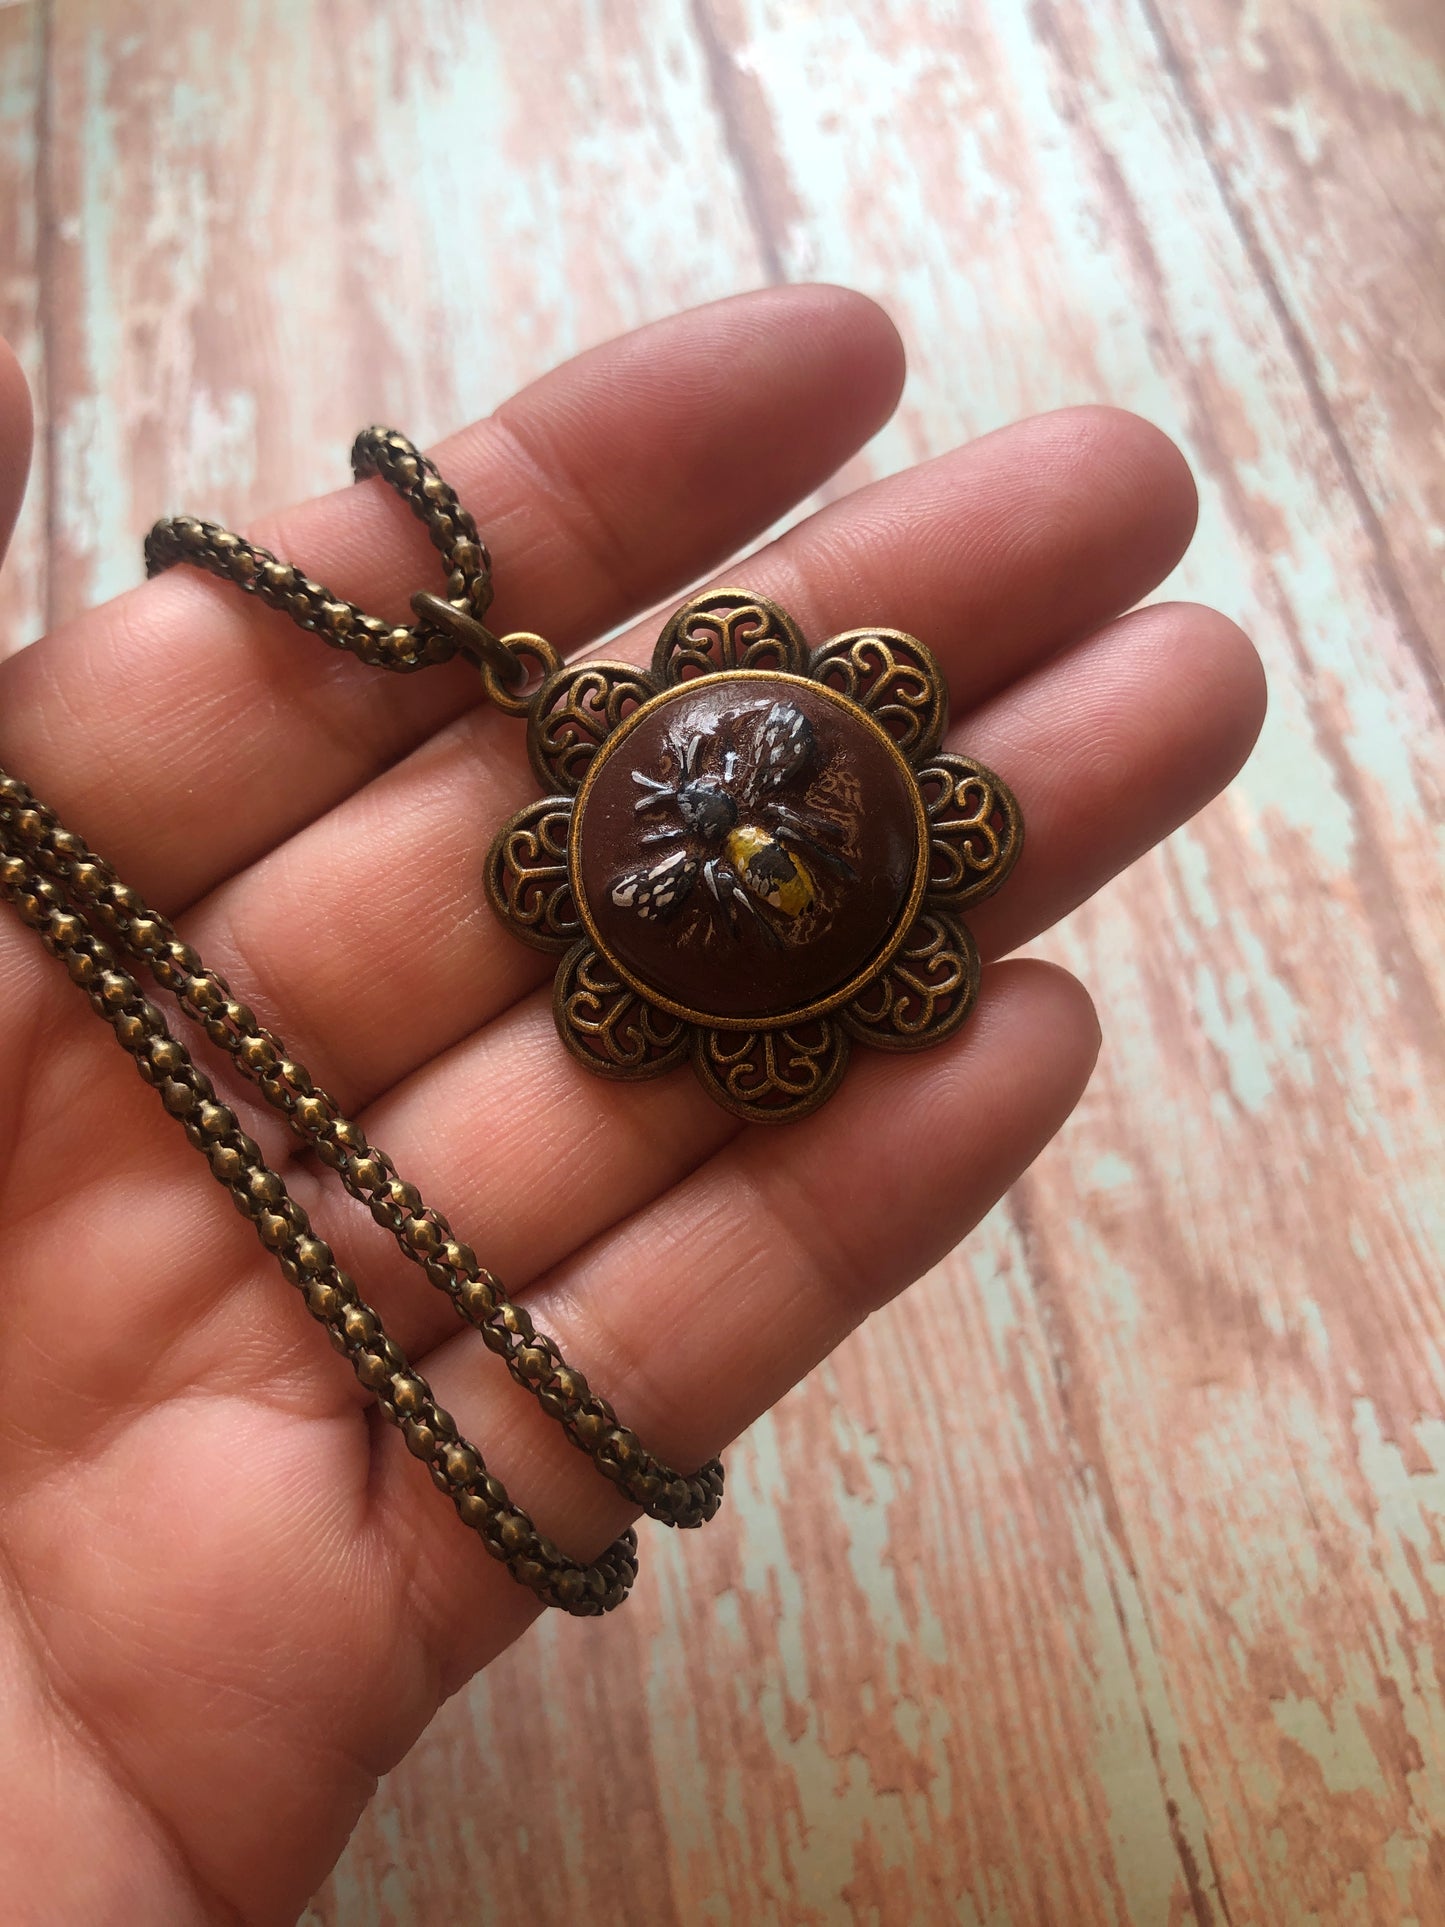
(1146, 1625)
(275, 222)
(22, 195)
(1322, 126)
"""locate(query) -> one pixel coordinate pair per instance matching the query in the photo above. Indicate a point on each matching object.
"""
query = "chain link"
(85, 915)
(63, 890)
(339, 623)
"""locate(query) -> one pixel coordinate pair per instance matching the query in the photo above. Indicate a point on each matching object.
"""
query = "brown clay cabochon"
(858, 794)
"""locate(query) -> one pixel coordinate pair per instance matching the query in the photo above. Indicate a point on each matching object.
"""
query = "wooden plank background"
(1148, 1626)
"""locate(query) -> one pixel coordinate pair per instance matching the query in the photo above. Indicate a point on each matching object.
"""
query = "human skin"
(229, 1599)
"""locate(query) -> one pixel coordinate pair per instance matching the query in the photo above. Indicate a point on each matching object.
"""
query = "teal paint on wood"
(23, 584)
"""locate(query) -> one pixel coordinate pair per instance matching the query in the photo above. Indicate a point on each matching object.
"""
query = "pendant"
(752, 856)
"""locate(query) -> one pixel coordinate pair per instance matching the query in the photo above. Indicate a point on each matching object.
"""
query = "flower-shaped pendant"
(754, 855)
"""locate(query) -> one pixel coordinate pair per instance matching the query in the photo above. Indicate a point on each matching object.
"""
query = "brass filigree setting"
(755, 855)
(894, 678)
(577, 709)
(926, 991)
(772, 1075)
(975, 829)
(724, 630)
(608, 1026)
(526, 875)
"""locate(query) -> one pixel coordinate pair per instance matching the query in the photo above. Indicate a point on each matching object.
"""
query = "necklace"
(749, 856)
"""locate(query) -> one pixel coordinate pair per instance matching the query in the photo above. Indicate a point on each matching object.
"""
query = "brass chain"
(377, 451)
(84, 915)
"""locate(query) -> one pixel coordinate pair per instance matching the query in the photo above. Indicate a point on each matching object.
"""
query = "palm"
(186, 1528)
(232, 1599)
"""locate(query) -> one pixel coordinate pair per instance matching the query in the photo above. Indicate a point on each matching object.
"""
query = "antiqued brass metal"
(526, 875)
(919, 984)
(772, 1076)
(976, 827)
(914, 702)
(472, 636)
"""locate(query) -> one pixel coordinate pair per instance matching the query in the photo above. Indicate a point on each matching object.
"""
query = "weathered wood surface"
(22, 583)
(1132, 1611)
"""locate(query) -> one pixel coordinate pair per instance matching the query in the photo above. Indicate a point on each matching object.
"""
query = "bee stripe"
(770, 871)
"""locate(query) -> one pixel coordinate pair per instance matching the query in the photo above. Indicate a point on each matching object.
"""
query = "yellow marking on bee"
(770, 871)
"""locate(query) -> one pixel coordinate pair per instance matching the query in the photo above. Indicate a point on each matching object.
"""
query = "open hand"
(229, 1599)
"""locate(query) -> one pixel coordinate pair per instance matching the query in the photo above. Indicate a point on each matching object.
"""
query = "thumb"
(15, 437)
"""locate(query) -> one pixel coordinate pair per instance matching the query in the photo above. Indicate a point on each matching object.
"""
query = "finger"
(996, 554)
(1001, 554)
(697, 1313)
(185, 729)
(1114, 745)
(15, 436)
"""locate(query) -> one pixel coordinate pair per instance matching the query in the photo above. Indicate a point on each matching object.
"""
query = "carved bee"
(733, 801)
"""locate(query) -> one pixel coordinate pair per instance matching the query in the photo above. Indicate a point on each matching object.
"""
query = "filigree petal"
(976, 829)
(768, 1076)
(927, 990)
(726, 629)
(576, 709)
(608, 1026)
(526, 875)
(895, 677)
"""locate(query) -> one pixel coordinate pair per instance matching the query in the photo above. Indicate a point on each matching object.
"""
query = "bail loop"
(473, 638)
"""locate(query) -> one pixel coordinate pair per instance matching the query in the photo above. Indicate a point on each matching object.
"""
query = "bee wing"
(784, 749)
(660, 889)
